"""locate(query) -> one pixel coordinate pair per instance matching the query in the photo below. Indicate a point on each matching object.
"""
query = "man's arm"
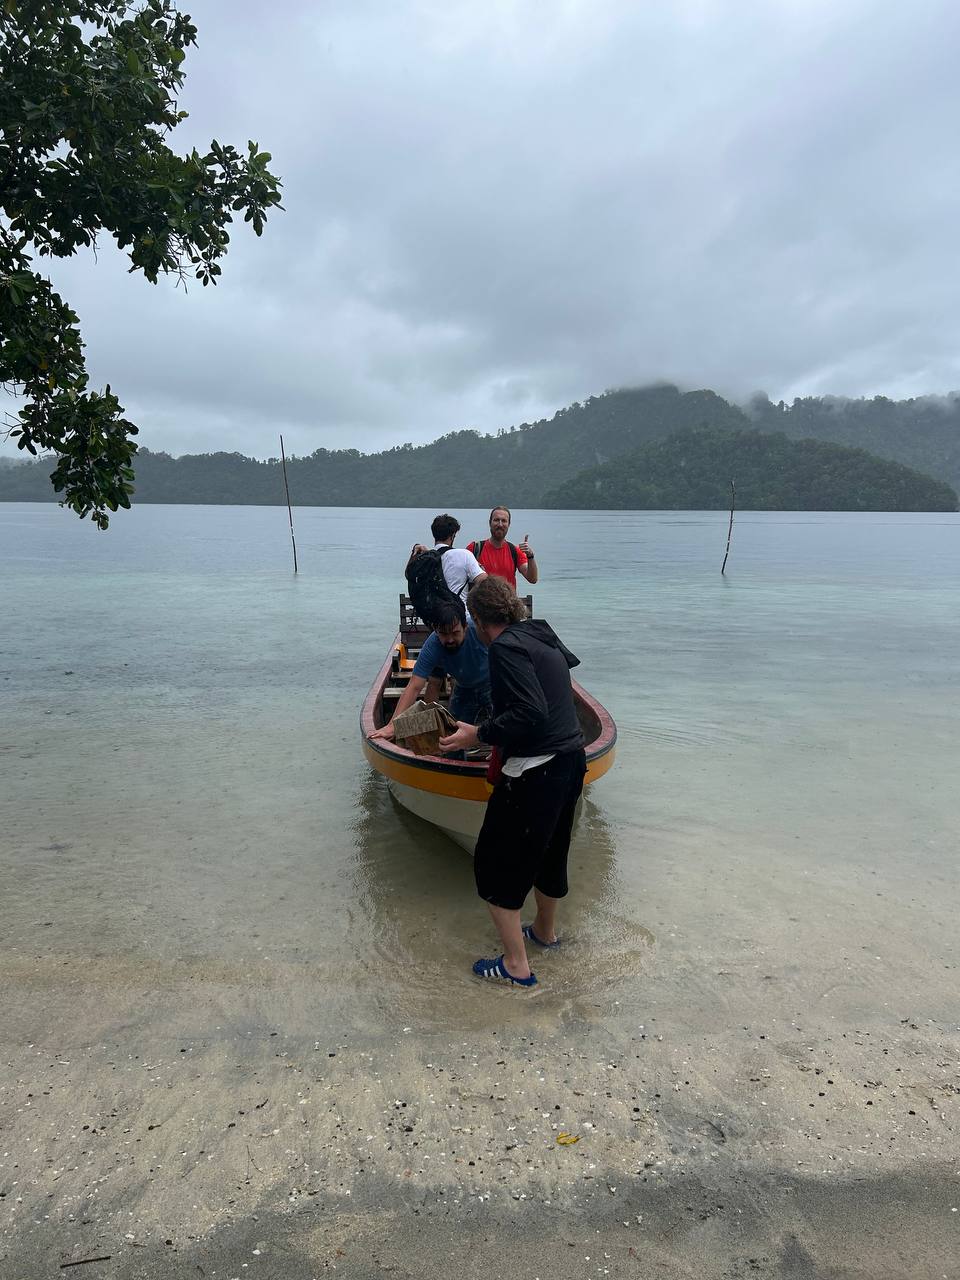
(418, 547)
(529, 570)
(474, 570)
(409, 696)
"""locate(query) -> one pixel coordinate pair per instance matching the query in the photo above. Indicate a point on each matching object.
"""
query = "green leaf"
(87, 122)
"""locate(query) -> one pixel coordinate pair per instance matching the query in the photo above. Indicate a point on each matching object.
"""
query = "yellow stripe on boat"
(471, 787)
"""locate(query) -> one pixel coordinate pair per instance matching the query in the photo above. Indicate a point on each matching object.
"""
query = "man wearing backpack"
(460, 569)
(501, 558)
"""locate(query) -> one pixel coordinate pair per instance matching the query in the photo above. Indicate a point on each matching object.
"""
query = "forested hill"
(923, 433)
(520, 465)
(463, 469)
(692, 470)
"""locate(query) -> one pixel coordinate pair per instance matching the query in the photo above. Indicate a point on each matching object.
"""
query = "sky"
(494, 209)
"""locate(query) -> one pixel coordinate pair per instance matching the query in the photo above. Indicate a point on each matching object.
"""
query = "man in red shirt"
(502, 558)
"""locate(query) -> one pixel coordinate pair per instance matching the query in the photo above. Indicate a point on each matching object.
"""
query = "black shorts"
(525, 837)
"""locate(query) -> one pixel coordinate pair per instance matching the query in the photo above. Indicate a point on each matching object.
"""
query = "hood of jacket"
(520, 634)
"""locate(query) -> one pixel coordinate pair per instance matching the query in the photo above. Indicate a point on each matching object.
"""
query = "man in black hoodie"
(525, 837)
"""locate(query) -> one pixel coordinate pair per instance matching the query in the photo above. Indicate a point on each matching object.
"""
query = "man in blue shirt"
(454, 649)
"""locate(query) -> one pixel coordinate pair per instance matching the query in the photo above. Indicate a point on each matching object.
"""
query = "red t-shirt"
(499, 560)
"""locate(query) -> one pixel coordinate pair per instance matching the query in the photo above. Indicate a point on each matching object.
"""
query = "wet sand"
(185, 1117)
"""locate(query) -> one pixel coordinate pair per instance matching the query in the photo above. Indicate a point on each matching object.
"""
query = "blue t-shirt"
(469, 665)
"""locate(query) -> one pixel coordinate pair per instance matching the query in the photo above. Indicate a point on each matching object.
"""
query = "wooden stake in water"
(283, 459)
(733, 503)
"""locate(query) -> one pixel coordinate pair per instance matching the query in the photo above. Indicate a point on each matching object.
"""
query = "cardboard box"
(421, 727)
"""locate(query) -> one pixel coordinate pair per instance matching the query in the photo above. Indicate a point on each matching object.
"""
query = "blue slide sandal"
(496, 971)
(532, 937)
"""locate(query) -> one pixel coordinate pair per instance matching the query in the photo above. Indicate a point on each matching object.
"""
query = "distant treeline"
(923, 433)
(521, 466)
(692, 470)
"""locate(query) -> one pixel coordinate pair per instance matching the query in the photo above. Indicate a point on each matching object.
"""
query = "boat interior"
(413, 633)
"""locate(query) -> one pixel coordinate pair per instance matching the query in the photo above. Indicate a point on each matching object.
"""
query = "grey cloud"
(495, 209)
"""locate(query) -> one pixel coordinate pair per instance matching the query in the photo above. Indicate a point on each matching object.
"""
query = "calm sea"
(182, 778)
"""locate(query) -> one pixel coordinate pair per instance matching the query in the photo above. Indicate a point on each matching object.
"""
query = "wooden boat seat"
(413, 630)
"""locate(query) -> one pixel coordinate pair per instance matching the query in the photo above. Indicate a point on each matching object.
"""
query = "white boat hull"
(460, 819)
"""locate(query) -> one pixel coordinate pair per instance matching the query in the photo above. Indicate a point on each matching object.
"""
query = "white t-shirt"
(516, 765)
(460, 567)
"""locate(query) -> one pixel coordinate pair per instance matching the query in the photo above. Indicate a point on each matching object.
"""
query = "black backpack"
(426, 585)
(477, 549)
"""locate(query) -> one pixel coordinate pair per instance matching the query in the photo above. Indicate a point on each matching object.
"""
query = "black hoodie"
(533, 707)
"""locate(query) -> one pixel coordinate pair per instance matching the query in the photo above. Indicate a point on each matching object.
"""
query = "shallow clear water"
(182, 782)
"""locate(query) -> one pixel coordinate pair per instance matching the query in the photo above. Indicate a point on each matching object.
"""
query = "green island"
(692, 470)
(647, 447)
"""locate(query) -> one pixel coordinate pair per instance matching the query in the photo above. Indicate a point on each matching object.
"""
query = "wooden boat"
(452, 794)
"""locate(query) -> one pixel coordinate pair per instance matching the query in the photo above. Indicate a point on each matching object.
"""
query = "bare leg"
(514, 952)
(545, 922)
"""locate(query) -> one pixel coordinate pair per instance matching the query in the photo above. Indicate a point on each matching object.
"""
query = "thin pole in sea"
(733, 503)
(283, 460)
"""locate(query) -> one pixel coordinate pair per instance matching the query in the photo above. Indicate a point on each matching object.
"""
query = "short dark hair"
(447, 613)
(500, 507)
(493, 601)
(444, 527)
